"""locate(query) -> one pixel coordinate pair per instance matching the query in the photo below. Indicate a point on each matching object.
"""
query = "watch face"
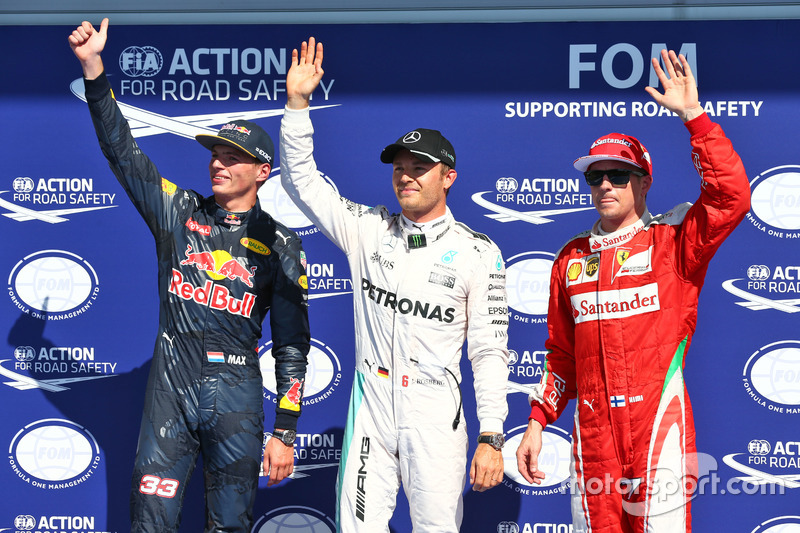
(495, 440)
(289, 436)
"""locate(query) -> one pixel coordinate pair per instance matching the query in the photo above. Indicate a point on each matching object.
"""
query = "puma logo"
(589, 404)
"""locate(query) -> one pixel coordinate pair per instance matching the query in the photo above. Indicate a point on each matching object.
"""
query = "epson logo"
(771, 377)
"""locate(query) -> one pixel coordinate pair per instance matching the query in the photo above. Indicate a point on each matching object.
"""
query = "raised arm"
(304, 75)
(87, 43)
(680, 88)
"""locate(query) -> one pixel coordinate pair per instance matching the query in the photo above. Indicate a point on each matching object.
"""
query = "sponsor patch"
(417, 240)
(233, 220)
(168, 187)
(254, 245)
(574, 270)
(631, 262)
(199, 228)
(604, 242)
(605, 305)
(443, 280)
(291, 400)
(583, 270)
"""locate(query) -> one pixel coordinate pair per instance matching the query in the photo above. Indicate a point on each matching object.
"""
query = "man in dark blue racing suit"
(223, 263)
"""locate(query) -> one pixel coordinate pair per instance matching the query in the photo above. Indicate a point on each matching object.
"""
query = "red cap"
(617, 147)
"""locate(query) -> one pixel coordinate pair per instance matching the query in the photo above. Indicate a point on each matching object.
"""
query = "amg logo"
(361, 493)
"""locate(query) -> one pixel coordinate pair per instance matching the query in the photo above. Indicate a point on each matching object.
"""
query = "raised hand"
(680, 88)
(87, 43)
(304, 75)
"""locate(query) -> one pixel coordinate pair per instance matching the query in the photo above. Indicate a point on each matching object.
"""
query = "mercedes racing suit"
(623, 307)
(417, 298)
(219, 273)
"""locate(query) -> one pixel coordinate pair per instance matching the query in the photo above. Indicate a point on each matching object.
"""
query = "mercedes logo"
(412, 137)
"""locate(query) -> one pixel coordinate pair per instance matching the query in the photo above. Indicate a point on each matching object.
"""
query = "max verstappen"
(623, 308)
(223, 263)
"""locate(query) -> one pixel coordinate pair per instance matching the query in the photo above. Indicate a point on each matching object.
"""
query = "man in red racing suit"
(623, 307)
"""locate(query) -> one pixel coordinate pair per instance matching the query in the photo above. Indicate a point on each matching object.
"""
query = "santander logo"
(606, 305)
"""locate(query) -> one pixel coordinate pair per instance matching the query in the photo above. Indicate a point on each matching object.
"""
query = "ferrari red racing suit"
(623, 308)
(417, 298)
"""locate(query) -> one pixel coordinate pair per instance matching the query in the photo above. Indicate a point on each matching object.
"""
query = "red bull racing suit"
(623, 308)
(417, 298)
(219, 273)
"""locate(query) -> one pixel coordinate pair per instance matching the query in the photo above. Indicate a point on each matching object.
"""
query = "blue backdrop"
(519, 102)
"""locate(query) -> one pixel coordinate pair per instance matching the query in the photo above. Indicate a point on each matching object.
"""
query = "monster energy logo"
(417, 240)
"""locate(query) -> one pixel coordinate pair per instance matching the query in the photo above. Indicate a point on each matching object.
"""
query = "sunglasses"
(617, 176)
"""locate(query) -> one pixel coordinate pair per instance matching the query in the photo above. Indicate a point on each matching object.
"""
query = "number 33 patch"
(166, 488)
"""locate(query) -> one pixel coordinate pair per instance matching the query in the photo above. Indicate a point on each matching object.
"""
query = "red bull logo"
(231, 268)
(202, 260)
(234, 127)
(291, 400)
(214, 296)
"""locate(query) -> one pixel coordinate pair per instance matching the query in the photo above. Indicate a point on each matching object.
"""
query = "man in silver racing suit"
(423, 284)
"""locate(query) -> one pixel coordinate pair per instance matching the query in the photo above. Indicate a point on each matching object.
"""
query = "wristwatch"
(495, 440)
(286, 436)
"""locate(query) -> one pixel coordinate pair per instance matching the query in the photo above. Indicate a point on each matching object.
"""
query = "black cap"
(428, 145)
(244, 135)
